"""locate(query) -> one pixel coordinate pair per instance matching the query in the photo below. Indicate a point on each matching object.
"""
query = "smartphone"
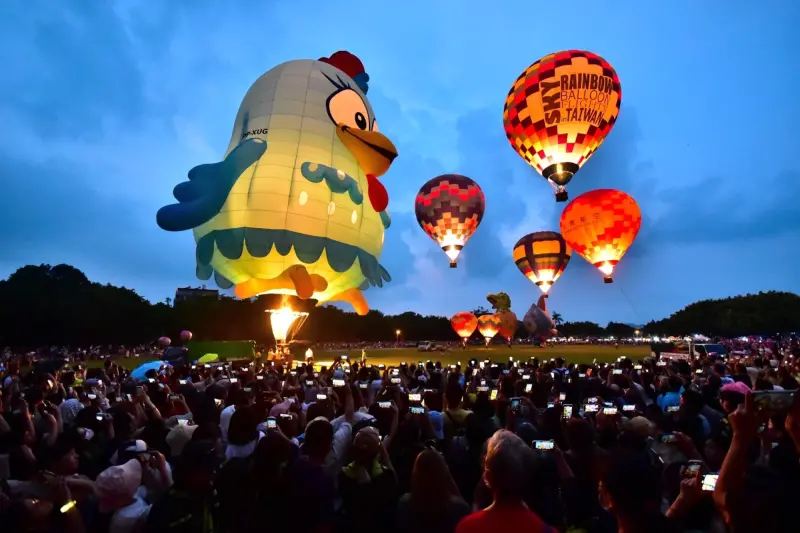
(248, 389)
(217, 401)
(272, 423)
(206, 366)
(233, 380)
(637, 367)
(183, 422)
(667, 438)
(609, 411)
(581, 375)
(483, 389)
(515, 404)
(628, 408)
(617, 371)
(661, 363)
(99, 417)
(698, 371)
(286, 416)
(338, 383)
(395, 371)
(592, 400)
(345, 358)
(396, 381)
(181, 382)
(385, 405)
(129, 397)
(591, 408)
(551, 405)
(692, 467)
(151, 380)
(526, 377)
(417, 410)
(381, 366)
(562, 396)
(91, 396)
(363, 386)
(773, 401)
(174, 396)
(415, 397)
(259, 377)
(309, 383)
(567, 411)
(529, 387)
(322, 397)
(493, 394)
(543, 444)
(673, 408)
(710, 482)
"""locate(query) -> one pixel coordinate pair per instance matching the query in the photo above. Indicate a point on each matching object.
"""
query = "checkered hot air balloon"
(542, 257)
(464, 324)
(449, 209)
(489, 326)
(600, 226)
(559, 111)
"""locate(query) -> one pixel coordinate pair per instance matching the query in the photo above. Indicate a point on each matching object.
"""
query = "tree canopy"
(58, 305)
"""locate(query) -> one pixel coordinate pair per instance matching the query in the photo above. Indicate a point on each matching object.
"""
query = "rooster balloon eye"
(345, 107)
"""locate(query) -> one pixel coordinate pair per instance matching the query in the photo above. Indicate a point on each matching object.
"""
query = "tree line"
(58, 305)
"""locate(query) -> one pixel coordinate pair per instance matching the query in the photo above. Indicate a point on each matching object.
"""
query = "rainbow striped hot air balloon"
(542, 257)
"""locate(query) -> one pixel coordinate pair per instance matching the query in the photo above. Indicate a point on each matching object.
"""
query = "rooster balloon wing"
(295, 207)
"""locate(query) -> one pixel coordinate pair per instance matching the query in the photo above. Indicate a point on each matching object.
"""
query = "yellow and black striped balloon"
(542, 257)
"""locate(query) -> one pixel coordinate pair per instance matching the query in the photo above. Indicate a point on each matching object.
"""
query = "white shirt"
(129, 518)
(358, 416)
(225, 421)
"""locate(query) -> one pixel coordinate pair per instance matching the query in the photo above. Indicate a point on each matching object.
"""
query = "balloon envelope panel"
(449, 209)
(542, 257)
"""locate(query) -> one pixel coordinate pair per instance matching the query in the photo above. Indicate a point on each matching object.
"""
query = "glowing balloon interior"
(489, 326)
(600, 226)
(559, 111)
(449, 209)
(296, 206)
(542, 257)
(282, 321)
(508, 324)
(464, 324)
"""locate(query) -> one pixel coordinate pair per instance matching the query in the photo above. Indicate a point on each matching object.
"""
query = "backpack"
(457, 451)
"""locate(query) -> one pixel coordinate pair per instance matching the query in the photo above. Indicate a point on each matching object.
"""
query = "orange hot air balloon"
(542, 257)
(508, 324)
(464, 324)
(489, 326)
(559, 111)
(600, 226)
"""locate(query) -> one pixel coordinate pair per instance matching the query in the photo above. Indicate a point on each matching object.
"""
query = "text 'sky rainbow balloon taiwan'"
(295, 207)
(464, 324)
(559, 111)
(489, 326)
(542, 257)
(600, 226)
(449, 209)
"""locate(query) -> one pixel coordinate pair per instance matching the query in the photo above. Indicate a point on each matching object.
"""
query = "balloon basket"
(562, 196)
(453, 264)
(608, 279)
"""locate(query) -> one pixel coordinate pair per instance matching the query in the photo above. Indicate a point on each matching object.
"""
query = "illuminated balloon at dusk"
(542, 257)
(559, 111)
(464, 324)
(164, 341)
(449, 209)
(600, 226)
(489, 326)
(295, 207)
(508, 324)
(186, 335)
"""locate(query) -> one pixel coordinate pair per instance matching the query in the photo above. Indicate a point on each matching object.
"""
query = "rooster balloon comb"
(285, 211)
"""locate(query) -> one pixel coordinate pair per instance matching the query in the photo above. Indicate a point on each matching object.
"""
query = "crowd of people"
(529, 446)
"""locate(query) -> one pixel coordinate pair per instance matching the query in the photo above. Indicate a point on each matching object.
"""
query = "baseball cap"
(116, 485)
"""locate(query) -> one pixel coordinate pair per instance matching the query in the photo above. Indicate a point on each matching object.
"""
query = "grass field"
(394, 356)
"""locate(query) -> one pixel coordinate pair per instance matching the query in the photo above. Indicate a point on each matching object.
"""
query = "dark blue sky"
(106, 105)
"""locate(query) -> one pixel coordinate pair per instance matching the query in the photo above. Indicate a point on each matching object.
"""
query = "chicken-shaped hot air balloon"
(600, 226)
(559, 111)
(538, 321)
(464, 324)
(295, 207)
(542, 257)
(449, 209)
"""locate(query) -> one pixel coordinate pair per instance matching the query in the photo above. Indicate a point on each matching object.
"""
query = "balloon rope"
(633, 307)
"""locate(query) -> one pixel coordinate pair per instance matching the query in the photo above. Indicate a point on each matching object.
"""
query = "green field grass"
(394, 356)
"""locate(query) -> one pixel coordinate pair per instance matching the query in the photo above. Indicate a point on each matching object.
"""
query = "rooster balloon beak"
(373, 151)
